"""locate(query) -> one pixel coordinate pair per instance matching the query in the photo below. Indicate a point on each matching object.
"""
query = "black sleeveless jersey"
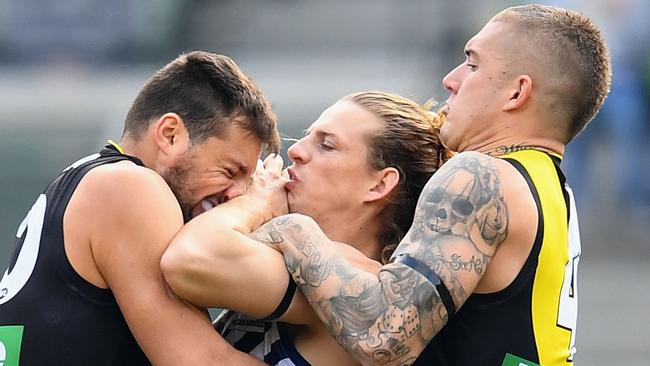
(533, 320)
(50, 315)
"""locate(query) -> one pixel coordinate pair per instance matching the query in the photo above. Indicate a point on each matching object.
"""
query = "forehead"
(346, 120)
(492, 41)
(236, 147)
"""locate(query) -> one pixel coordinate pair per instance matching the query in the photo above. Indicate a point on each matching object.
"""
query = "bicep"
(127, 249)
(460, 220)
(255, 281)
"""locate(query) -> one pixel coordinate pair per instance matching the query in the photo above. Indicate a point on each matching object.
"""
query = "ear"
(520, 93)
(170, 135)
(385, 182)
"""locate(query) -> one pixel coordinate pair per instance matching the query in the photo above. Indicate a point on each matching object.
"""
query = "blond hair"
(409, 142)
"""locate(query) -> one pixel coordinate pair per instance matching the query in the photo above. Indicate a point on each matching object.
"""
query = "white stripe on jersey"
(258, 338)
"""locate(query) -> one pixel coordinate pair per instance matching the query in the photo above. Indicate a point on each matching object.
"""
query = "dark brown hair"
(207, 91)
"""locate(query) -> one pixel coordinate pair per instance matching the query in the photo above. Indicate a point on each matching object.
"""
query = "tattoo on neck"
(502, 150)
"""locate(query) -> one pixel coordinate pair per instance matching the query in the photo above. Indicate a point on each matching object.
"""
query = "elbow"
(176, 267)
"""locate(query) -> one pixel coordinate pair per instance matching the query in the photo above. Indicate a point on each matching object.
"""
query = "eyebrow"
(470, 52)
(241, 166)
(320, 133)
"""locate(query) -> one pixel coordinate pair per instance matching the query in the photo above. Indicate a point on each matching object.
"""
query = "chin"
(448, 141)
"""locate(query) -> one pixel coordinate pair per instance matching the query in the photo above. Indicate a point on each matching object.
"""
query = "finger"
(260, 166)
(274, 163)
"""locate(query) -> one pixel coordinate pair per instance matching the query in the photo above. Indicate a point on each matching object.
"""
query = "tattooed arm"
(215, 261)
(460, 220)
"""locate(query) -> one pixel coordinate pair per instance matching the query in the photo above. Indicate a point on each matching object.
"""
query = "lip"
(292, 175)
(293, 179)
(446, 107)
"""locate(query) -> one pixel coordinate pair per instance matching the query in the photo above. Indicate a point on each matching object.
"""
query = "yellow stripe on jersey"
(117, 146)
(553, 340)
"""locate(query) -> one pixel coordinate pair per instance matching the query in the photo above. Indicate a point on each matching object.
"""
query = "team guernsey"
(265, 340)
(49, 315)
(533, 320)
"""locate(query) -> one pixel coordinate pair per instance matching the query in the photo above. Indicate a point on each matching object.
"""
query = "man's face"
(214, 171)
(476, 89)
(330, 172)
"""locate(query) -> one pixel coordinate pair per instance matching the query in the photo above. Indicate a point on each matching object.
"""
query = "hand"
(267, 185)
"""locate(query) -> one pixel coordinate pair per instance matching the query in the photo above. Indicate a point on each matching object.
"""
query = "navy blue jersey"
(266, 340)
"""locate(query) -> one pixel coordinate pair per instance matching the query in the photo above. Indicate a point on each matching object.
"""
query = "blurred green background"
(69, 71)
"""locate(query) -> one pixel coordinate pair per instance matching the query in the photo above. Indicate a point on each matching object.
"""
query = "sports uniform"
(533, 320)
(49, 314)
(265, 340)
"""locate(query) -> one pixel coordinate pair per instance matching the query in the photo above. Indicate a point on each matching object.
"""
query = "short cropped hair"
(207, 91)
(574, 52)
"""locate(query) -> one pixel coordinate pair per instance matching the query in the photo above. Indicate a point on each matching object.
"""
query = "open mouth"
(292, 175)
(293, 180)
(206, 204)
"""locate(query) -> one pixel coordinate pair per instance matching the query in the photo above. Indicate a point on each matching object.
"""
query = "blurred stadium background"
(69, 70)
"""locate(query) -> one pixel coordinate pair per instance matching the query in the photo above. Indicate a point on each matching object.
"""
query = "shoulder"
(473, 161)
(123, 190)
(482, 171)
(122, 174)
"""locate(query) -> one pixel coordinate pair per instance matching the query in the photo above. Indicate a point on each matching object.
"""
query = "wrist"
(255, 213)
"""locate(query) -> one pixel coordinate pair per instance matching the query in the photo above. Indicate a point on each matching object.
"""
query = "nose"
(451, 81)
(441, 213)
(235, 190)
(298, 153)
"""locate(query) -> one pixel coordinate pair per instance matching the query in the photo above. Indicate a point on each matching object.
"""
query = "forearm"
(201, 262)
(243, 214)
(233, 274)
(379, 319)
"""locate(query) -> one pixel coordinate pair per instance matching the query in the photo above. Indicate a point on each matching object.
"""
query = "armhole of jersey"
(285, 302)
(528, 270)
(563, 184)
(68, 183)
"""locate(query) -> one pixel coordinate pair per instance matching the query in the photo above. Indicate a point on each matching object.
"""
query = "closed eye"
(326, 146)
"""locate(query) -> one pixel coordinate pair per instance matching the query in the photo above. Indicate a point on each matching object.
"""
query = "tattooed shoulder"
(461, 216)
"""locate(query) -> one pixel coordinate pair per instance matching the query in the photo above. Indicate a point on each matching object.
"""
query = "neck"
(509, 145)
(357, 231)
(138, 149)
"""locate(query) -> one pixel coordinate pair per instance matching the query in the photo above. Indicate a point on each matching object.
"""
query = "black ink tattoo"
(503, 150)
(460, 220)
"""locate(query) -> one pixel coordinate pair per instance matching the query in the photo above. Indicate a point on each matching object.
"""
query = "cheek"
(325, 180)
(204, 186)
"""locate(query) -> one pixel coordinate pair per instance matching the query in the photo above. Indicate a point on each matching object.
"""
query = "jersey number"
(568, 310)
(29, 238)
